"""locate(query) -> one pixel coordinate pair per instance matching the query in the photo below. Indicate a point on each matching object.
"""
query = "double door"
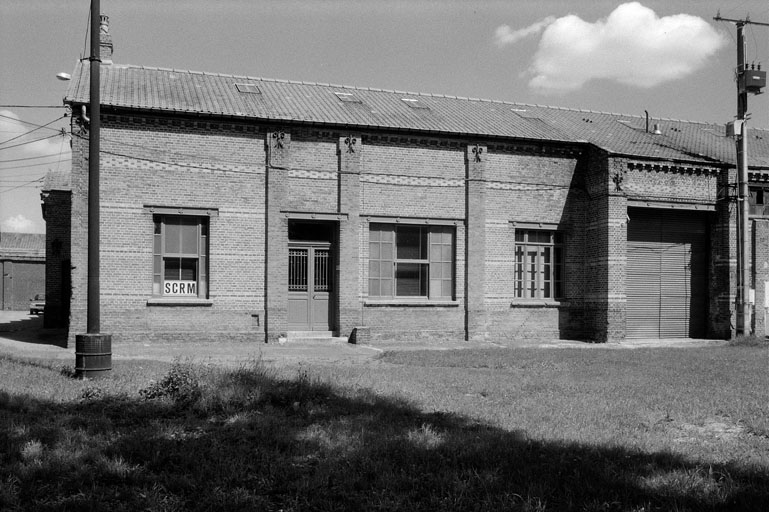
(309, 286)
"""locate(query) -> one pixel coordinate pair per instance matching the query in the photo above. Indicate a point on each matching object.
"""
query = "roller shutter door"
(667, 274)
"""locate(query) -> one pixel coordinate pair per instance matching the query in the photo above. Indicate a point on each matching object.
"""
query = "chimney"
(105, 40)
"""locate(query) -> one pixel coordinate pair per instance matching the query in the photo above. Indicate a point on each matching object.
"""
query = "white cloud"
(17, 224)
(632, 46)
(506, 35)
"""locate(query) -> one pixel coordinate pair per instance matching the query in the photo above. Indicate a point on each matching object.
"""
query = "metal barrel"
(93, 355)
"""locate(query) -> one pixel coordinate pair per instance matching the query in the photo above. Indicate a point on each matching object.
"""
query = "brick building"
(57, 213)
(248, 208)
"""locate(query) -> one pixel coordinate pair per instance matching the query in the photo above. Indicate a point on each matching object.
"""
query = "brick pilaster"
(278, 164)
(606, 250)
(475, 286)
(349, 149)
(723, 282)
(761, 274)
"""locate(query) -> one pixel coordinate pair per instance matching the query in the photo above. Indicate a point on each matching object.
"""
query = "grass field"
(488, 429)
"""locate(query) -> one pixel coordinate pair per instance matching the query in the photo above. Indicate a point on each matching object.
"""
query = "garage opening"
(667, 274)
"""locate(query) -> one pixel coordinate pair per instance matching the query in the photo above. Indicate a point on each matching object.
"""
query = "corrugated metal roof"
(193, 92)
(203, 93)
(26, 244)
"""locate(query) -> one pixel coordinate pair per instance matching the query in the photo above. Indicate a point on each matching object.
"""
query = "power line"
(31, 123)
(39, 164)
(26, 185)
(22, 175)
(37, 126)
(28, 158)
(33, 141)
(32, 106)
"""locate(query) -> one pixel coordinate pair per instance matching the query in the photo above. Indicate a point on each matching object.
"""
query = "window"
(414, 103)
(538, 264)
(758, 201)
(348, 97)
(411, 261)
(248, 88)
(180, 256)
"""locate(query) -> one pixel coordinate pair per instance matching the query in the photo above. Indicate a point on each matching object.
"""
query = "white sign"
(180, 288)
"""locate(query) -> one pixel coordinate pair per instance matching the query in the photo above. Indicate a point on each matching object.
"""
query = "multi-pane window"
(411, 261)
(538, 264)
(180, 256)
(758, 201)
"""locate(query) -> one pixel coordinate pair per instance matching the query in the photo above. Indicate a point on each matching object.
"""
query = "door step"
(312, 337)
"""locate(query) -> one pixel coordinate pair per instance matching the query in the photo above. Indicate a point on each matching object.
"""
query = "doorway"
(310, 276)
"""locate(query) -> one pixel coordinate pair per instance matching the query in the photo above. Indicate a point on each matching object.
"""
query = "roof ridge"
(424, 95)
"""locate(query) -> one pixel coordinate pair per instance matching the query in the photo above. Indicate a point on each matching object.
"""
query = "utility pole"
(748, 81)
(93, 323)
(93, 350)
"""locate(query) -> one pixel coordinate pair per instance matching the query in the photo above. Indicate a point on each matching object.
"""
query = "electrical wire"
(61, 151)
(39, 164)
(25, 181)
(27, 159)
(32, 106)
(37, 126)
(33, 141)
(26, 185)
(87, 31)
(22, 175)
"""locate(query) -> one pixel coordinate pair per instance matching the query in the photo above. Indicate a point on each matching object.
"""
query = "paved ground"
(23, 335)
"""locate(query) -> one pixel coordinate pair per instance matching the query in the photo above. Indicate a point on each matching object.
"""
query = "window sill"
(539, 303)
(375, 303)
(176, 301)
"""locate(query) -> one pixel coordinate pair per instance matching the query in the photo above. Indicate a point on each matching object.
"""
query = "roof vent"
(347, 97)
(414, 103)
(248, 88)
(657, 130)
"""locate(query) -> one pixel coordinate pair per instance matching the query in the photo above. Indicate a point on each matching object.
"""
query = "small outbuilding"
(22, 261)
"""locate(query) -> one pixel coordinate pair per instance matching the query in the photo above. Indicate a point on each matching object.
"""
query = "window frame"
(161, 254)
(427, 258)
(544, 277)
(758, 191)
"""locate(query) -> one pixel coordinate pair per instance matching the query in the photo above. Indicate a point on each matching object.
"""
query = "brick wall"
(257, 178)
(58, 209)
(761, 274)
(159, 162)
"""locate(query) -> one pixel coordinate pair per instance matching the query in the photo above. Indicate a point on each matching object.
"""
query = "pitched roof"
(175, 91)
(22, 245)
(203, 93)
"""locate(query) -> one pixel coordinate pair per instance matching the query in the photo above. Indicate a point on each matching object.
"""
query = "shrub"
(181, 384)
(91, 393)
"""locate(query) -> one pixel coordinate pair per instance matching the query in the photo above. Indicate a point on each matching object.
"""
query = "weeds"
(181, 385)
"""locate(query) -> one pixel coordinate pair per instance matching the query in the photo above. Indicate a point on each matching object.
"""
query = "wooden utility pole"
(748, 81)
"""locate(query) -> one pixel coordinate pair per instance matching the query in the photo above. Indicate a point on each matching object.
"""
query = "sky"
(667, 57)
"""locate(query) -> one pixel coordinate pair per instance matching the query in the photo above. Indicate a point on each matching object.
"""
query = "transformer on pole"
(748, 81)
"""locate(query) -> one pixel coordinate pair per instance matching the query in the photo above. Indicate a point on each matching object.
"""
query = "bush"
(181, 384)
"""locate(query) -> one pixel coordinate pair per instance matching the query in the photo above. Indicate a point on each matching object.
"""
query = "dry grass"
(459, 430)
